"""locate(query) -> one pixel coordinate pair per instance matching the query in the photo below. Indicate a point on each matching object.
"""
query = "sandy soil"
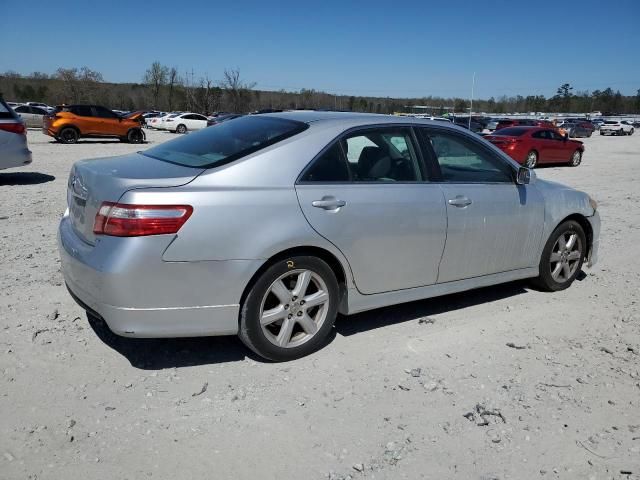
(429, 389)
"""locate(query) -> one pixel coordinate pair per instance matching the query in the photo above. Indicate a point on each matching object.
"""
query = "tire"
(631, 132)
(532, 159)
(560, 274)
(181, 128)
(284, 337)
(621, 132)
(135, 135)
(68, 135)
(601, 132)
(576, 158)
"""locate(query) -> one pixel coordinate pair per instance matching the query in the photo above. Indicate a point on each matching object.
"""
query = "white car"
(157, 122)
(31, 116)
(41, 105)
(184, 122)
(616, 127)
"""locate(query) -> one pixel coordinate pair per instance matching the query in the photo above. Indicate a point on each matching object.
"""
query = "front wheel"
(290, 310)
(562, 257)
(631, 132)
(532, 159)
(576, 158)
(135, 135)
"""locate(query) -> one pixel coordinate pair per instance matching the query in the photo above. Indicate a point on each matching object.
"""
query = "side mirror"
(524, 176)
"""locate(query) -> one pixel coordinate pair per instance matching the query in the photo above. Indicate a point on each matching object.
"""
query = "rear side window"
(226, 142)
(103, 112)
(513, 131)
(461, 160)
(372, 155)
(329, 167)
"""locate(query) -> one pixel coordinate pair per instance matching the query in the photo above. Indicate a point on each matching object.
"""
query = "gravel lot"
(501, 383)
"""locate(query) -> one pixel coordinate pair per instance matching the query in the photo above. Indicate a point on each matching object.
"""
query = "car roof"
(349, 119)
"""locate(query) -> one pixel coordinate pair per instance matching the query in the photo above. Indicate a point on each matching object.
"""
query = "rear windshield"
(610, 123)
(512, 131)
(225, 142)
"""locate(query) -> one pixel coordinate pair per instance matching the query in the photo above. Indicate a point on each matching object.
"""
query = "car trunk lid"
(92, 182)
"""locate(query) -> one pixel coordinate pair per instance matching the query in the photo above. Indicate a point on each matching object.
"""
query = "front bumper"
(126, 282)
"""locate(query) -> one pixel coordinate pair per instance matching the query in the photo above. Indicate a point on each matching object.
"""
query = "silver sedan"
(267, 226)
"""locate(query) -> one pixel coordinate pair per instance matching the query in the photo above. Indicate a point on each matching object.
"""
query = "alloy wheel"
(565, 256)
(532, 159)
(576, 158)
(294, 308)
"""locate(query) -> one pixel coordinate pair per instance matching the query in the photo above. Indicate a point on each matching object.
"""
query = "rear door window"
(103, 112)
(82, 110)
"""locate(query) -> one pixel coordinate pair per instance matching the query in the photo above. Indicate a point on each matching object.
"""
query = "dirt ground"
(501, 383)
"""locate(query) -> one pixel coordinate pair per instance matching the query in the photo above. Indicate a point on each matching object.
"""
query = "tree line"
(165, 88)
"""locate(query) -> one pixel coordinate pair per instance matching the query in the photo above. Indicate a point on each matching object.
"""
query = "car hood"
(134, 115)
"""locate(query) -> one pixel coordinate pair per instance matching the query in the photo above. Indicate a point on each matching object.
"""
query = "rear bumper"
(126, 282)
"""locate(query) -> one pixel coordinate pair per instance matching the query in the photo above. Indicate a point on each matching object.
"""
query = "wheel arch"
(586, 226)
(70, 125)
(334, 263)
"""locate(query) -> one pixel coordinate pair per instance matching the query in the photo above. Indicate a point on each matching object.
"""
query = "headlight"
(593, 204)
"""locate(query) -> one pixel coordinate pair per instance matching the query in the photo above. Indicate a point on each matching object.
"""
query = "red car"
(523, 122)
(531, 146)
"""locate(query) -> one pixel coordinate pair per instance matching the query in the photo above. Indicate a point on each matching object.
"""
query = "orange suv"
(68, 123)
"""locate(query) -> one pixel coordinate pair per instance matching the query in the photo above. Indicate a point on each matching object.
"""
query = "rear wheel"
(289, 311)
(181, 128)
(532, 159)
(68, 135)
(631, 131)
(562, 257)
(576, 158)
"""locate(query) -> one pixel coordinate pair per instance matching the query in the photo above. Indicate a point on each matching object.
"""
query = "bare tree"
(156, 78)
(237, 90)
(173, 80)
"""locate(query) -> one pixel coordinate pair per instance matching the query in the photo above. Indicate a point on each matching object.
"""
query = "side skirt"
(357, 302)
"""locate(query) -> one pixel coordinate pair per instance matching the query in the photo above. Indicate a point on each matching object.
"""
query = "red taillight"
(513, 143)
(124, 220)
(17, 127)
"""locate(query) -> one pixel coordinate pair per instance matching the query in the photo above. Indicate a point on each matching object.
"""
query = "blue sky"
(398, 49)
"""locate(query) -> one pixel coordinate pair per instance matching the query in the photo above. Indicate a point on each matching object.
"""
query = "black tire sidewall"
(64, 140)
(131, 136)
(250, 331)
(545, 280)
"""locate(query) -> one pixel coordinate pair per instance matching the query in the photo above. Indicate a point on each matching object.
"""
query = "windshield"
(225, 142)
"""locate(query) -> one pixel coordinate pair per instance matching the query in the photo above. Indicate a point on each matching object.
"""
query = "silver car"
(14, 151)
(267, 226)
(31, 115)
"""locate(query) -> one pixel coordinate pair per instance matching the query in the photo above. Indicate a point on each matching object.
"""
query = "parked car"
(575, 130)
(463, 122)
(584, 124)
(68, 123)
(14, 151)
(32, 116)
(14, 104)
(267, 226)
(148, 116)
(515, 122)
(158, 122)
(532, 146)
(222, 118)
(493, 124)
(41, 105)
(184, 122)
(616, 127)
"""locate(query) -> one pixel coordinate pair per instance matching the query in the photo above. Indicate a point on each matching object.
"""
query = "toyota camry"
(268, 226)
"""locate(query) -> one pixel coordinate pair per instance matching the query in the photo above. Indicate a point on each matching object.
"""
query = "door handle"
(460, 201)
(329, 203)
